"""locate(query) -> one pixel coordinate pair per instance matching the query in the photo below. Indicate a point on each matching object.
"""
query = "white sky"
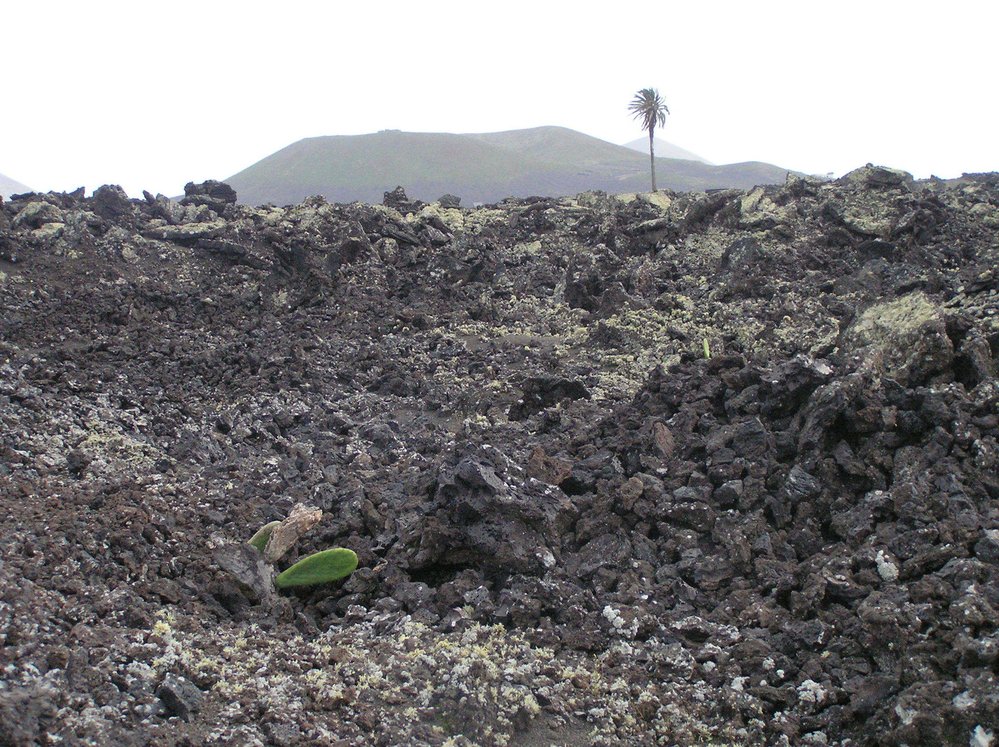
(152, 95)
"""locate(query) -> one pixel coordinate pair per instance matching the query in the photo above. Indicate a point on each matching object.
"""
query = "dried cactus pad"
(259, 540)
(319, 568)
(301, 519)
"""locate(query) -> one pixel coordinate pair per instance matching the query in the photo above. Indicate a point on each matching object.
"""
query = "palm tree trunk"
(652, 157)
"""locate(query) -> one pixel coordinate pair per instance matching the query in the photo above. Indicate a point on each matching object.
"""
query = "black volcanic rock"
(211, 194)
(180, 697)
(695, 466)
(111, 203)
(398, 200)
(213, 190)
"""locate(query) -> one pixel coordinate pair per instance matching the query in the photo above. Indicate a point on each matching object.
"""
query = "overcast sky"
(153, 95)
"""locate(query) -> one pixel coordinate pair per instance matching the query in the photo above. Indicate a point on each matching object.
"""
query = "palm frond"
(649, 107)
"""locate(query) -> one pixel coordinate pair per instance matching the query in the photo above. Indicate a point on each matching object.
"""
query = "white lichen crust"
(394, 680)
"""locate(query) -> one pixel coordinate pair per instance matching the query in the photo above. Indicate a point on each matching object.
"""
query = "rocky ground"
(661, 469)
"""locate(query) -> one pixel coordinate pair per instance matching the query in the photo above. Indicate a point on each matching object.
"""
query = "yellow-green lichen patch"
(453, 218)
(708, 246)
(906, 337)
(476, 220)
(523, 251)
(660, 200)
(756, 206)
(108, 444)
(895, 318)
(649, 335)
(48, 231)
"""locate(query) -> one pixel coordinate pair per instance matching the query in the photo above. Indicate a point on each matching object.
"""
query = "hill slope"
(10, 187)
(362, 167)
(665, 149)
(546, 161)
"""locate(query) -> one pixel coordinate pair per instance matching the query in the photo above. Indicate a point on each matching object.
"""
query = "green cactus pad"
(319, 568)
(259, 540)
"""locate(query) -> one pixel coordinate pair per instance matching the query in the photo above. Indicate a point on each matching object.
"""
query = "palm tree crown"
(649, 107)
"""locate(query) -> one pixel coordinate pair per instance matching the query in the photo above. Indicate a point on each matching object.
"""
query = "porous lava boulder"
(905, 337)
(112, 203)
(212, 194)
(398, 200)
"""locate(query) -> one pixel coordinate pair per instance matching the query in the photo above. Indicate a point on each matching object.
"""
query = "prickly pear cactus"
(319, 568)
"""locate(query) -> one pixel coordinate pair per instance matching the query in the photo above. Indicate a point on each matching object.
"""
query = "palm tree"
(649, 107)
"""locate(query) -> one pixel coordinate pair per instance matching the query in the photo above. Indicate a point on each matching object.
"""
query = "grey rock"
(248, 568)
(180, 697)
(112, 203)
(26, 712)
(908, 336)
(36, 214)
(215, 191)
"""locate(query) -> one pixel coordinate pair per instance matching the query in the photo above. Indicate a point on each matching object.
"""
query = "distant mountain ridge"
(478, 167)
(665, 150)
(10, 187)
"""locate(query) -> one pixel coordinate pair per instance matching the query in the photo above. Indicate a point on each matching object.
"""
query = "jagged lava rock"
(570, 524)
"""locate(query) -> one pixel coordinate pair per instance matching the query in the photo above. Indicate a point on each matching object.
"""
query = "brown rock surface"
(572, 527)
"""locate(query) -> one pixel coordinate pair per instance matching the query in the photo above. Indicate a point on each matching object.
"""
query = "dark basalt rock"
(111, 203)
(542, 392)
(507, 413)
(213, 191)
(398, 200)
(214, 195)
(180, 697)
(27, 713)
(482, 521)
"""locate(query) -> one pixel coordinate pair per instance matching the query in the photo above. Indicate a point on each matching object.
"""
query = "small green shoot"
(707, 348)
(259, 540)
